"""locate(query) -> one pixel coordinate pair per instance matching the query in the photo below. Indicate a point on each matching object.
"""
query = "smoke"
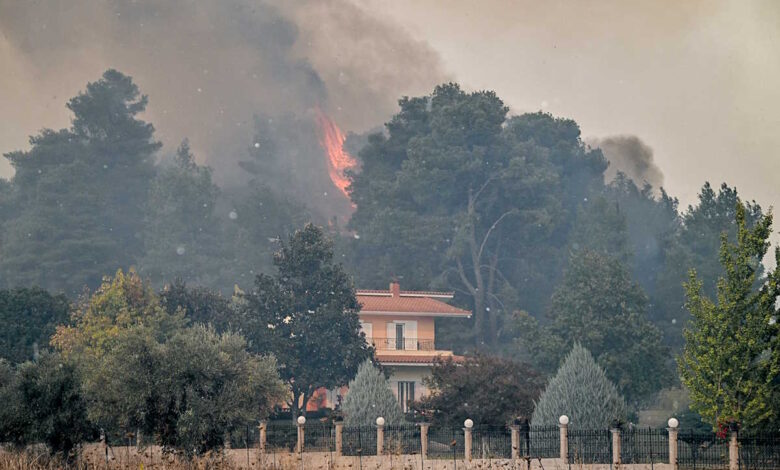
(210, 66)
(629, 155)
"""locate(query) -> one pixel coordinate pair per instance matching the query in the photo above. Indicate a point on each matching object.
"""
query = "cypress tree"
(580, 390)
(370, 397)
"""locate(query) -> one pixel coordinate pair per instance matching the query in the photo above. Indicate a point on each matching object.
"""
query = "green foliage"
(486, 389)
(180, 230)
(458, 195)
(599, 306)
(143, 369)
(580, 390)
(28, 318)
(43, 402)
(299, 314)
(370, 397)
(696, 245)
(189, 391)
(731, 358)
(79, 194)
(201, 305)
(122, 303)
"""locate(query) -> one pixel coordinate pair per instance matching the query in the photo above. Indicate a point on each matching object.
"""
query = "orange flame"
(332, 140)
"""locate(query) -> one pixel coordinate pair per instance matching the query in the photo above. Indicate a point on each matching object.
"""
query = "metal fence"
(702, 450)
(402, 439)
(544, 442)
(759, 450)
(445, 442)
(358, 440)
(491, 442)
(590, 446)
(319, 437)
(644, 445)
(281, 436)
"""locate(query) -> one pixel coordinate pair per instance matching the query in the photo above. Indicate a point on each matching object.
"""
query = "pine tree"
(79, 194)
(731, 359)
(181, 230)
(370, 397)
(581, 391)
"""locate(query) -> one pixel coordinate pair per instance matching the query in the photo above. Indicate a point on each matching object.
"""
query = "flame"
(332, 140)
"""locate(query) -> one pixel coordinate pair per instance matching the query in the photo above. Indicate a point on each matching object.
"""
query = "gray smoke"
(209, 66)
(629, 155)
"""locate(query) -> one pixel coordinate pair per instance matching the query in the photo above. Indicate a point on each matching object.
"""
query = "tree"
(599, 306)
(302, 311)
(142, 368)
(580, 390)
(696, 245)
(201, 305)
(43, 402)
(486, 389)
(181, 232)
(189, 391)
(458, 193)
(79, 194)
(121, 303)
(731, 358)
(28, 317)
(370, 397)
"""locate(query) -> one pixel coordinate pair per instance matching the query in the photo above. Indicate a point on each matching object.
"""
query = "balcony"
(402, 344)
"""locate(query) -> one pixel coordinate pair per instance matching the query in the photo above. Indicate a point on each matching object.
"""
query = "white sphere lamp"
(301, 420)
(564, 420)
(468, 423)
(380, 421)
(673, 423)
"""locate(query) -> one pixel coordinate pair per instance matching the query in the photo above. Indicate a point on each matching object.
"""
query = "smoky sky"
(629, 155)
(208, 66)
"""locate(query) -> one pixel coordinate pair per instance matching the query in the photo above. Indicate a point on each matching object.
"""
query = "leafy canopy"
(302, 311)
(731, 359)
(486, 389)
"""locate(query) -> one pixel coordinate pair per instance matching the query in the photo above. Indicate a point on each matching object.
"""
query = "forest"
(513, 213)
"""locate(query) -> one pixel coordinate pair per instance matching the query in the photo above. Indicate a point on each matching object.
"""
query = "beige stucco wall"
(409, 374)
(425, 325)
(130, 458)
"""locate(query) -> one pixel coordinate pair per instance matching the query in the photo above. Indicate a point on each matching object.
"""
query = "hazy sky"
(699, 82)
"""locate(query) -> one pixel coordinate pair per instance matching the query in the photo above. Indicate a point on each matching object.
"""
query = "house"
(400, 325)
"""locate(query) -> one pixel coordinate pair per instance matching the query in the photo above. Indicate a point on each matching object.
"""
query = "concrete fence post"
(515, 429)
(380, 436)
(424, 439)
(139, 441)
(563, 424)
(301, 435)
(227, 441)
(467, 425)
(615, 445)
(263, 427)
(339, 438)
(672, 429)
(733, 450)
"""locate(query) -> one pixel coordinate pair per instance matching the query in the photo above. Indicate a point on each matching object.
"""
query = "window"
(405, 395)
(368, 329)
(399, 336)
(402, 335)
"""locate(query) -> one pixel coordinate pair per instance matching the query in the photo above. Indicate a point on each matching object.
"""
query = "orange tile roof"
(413, 359)
(396, 301)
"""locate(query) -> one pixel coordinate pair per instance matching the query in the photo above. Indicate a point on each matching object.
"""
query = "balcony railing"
(403, 344)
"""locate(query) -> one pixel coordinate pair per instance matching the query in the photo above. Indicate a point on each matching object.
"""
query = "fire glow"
(339, 161)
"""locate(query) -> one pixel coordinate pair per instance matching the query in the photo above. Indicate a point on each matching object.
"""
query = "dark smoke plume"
(210, 66)
(629, 155)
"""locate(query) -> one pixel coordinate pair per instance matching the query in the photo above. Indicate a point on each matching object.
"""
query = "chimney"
(395, 289)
